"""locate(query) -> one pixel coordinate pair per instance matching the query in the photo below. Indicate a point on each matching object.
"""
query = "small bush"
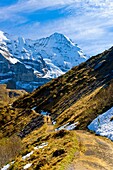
(60, 134)
(58, 152)
(40, 164)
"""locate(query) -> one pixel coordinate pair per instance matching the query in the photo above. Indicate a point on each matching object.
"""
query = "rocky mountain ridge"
(31, 63)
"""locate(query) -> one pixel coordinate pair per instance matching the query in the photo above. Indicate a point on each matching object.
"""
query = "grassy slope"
(58, 154)
(8, 96)
(65, 150)
(80, 95)
(88, 108)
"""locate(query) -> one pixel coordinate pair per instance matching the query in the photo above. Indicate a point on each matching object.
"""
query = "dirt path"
(48, 121)
(96, 153)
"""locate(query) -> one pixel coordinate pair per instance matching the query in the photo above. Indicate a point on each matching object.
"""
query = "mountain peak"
(61, 38)
(58, 55)
(56, 34)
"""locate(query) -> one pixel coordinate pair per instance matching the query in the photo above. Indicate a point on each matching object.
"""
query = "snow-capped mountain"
(30, 63)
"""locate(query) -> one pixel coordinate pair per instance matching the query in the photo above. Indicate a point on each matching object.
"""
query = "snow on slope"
(7, 166)
(54, 71)
(46, 58)
(59, 50)
(103, 124)
(4, 50)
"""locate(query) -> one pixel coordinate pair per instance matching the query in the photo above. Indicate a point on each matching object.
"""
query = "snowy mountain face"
(31, 63)
(103, 124)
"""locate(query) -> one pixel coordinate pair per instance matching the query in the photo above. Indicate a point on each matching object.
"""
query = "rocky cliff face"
(31, 63)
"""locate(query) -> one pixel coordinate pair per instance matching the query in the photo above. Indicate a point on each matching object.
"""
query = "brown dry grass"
(88, 107)
(8, 96)
(9, 149)
(60, 151)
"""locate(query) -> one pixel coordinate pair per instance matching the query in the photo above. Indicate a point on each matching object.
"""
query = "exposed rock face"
(11, 84)
(11, 74)
(31, 63)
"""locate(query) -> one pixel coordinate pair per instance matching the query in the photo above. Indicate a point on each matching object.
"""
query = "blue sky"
(88, 23)
(7, 2)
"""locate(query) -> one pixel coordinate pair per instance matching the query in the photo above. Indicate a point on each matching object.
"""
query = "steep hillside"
(52, 122)
(7, 96)
(31, 63)
(88, 81)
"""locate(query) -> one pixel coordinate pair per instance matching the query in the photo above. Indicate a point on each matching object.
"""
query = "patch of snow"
(41, 146)
(4, 48)
(35, 148)
(81, 54)
(103, 125)
(27, 166)
(68, 126)
(62, 127)
(53, 71)
(53, 122)
(28, 155)
(71, 126)
(69, 40)
(6, 167)
(7, 55)
(13, 60)
(44, 144)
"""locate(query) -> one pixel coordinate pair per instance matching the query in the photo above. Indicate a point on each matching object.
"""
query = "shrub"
(60, 134)
(58, 152)
(40, 164)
